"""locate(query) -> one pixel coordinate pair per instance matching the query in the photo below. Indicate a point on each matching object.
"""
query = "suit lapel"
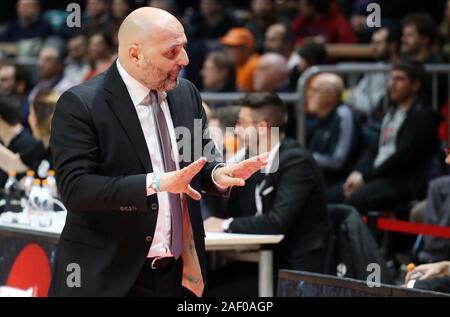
(120, 102)
(177, 120)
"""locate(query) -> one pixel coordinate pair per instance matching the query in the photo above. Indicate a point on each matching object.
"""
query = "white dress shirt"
(161, 242)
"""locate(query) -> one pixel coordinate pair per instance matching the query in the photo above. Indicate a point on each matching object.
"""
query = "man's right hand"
(177, 182)
(353, 182)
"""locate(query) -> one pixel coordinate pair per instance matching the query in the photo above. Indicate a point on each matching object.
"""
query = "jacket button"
(154, 206)
(148, 238)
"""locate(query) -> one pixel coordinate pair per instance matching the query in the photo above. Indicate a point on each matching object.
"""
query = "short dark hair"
(313, 53)
(10, 110)
(413, 68)
(424, 24)
(272, 108)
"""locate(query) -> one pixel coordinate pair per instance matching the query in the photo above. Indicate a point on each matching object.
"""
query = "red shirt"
(334, 26)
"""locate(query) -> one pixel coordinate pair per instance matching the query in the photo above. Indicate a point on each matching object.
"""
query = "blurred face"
(401, 87)
(120, 9)
(306, 9)
(263, 77)
(412, 42)
(7, 80)
(379, 44)
(211, 7)
(164, 56)
(28, 9)
(77, 48)
(48, 63)
(238, 54)
(96, 8)
(319, 96)
(247, 126)
(273, 41)
(98, 49)
(212, 76)
(262, 8)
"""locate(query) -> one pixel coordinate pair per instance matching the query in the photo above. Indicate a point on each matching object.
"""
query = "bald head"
(330, 82)
(151, 47)
(146, 23)
(324, 93)
(271, 72)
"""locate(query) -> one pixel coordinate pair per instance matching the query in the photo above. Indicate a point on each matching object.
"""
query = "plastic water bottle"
(415, 275)
(34, 198)
(27, 182)
(12, 193)
(46, 205)
(51, 180)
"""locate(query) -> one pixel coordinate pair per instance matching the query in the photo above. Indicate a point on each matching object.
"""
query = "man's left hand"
(236, 174)
(213, 224)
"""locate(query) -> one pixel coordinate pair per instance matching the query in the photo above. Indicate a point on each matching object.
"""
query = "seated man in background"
(393, 170)
(35, 155)
(16, 140)
(336, 139)
(271, 73)
(288, 197)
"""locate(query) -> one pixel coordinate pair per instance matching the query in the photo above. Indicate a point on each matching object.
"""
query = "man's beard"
(155, 78)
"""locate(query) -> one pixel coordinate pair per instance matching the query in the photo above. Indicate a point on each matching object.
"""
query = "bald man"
(134, 226)
(271, 73)
(335, 140)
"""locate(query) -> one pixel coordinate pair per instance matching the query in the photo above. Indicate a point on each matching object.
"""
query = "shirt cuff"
(219, 187)
(226, 224)
(148, 183)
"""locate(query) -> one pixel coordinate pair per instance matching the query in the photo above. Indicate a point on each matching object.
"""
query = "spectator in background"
(13, 81)
(419, 32)
(240, 44)
(203, 30)
(336, 139)
(444, 29)
(29, 23)
(366, 97)
(76, 63)
(36, 156)
(218, 73)
(97, 18)
(310, 54)
(51, 77)
(211, 22)
(321, 21)
(394, 168)
(100, 54)
(13, 136)
(280, 39)
(262, 16)
(287, 197)
(271, 74)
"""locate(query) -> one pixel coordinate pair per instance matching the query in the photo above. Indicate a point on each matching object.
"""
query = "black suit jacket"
(293, 202)
(101, 160)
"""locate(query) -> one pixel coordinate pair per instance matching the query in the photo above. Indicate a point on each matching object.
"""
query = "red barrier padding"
(31, 268)
(413, 228)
